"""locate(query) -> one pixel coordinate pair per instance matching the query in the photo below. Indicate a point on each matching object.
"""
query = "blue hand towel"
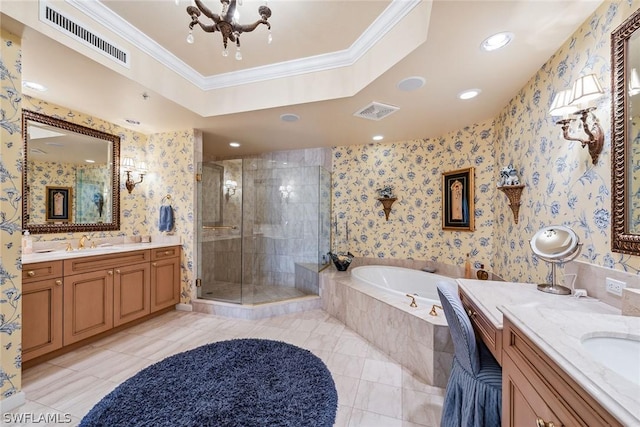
(166, 218)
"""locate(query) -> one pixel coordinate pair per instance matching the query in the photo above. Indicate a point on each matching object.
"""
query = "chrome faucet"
(82, 241)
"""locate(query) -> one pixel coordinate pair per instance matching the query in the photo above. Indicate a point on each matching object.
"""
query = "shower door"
(219, 238)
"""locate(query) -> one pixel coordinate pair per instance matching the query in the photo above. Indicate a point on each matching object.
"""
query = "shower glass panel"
(273, 235)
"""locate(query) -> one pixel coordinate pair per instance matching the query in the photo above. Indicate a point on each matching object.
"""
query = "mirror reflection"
(68, 179)
(633, 77)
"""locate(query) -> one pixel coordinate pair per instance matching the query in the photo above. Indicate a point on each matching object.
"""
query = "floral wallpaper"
(562, 186)
(414, 169)
(11, 212)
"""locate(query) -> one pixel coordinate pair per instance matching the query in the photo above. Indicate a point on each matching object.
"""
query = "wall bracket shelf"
(386, 204)
(513, 193)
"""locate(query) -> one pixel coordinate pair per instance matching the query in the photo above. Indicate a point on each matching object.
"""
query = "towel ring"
(167, 197)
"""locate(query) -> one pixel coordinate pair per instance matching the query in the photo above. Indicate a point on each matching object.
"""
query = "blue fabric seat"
(474, 391)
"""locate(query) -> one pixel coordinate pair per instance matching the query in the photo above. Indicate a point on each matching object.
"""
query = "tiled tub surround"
(409, 335)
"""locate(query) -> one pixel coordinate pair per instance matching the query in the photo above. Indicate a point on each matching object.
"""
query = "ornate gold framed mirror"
(625, 136)
(61, 155)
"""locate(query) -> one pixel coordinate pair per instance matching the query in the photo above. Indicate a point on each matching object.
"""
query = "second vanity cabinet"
(67, 301)
(536, 392)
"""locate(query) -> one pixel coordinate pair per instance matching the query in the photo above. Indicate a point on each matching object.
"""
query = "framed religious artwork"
(457, 200)
(58, 204)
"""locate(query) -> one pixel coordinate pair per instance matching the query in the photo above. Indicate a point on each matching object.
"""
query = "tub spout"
(428, 269)
(433, 311)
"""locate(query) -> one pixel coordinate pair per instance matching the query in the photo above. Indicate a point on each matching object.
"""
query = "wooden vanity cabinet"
(42, 291)
(131, 293)
(485, 330)
(165, 277)
(537, 392)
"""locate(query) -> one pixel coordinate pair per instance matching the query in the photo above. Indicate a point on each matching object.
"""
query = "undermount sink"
(621, 355)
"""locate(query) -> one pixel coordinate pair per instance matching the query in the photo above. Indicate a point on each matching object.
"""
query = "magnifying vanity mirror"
(70, 177)
(555, 244)
(625, 136)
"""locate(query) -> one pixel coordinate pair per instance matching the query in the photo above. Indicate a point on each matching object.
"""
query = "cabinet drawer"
(92, 263)
(563, 396)
(491, 336)
(163, 253)
(41, 271)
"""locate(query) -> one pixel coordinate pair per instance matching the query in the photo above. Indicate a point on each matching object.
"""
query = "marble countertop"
(489, 296)
(55, 250)
(558, 324)
(559, 334)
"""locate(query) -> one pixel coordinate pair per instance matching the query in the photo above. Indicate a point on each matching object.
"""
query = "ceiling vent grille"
(79, 32)
(376, 111)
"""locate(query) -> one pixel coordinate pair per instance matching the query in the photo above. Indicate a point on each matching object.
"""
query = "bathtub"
(402, 281)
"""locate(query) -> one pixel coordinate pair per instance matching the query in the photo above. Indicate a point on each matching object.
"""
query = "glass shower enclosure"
(263, 230)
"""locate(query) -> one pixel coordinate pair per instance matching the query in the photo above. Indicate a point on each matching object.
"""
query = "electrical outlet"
(615, 286)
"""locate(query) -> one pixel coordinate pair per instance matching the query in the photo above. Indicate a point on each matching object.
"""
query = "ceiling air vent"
(376, 111)
(80, 32)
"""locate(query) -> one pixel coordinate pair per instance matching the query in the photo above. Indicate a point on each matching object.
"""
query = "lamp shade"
(142, 167)
(561, 105)
(585, 89)
(128, 164)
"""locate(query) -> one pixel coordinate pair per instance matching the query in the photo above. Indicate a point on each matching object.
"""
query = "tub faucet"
(428, 269)
(433, 311)
(413, 301)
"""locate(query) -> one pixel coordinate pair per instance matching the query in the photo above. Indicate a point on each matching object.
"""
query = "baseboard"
(12, 402)
(184, 307)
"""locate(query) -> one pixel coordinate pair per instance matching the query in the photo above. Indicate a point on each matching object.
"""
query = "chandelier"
(226, 23)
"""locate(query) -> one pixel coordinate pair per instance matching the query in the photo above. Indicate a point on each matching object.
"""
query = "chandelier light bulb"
(225, 52)
(238, 54)
(269, 37)
(190, 38)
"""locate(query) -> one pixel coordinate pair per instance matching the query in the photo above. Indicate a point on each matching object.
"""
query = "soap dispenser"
(27, 243)
(467, 268)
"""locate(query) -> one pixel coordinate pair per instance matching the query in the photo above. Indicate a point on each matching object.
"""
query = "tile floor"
(372, 389)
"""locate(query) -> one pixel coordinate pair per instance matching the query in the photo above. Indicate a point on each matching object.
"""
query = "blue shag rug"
(236, 383)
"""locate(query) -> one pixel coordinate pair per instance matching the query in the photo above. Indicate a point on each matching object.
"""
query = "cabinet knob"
(110, 272)
(117, 271)
(155, 264)
(541, 423)
(472, 314)
(58, 282)
(31, 273)
(167, 252)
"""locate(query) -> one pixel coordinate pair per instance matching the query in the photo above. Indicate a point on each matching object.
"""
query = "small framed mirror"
(70, 176)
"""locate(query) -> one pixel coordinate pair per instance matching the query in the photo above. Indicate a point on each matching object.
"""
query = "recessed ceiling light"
(289, 117)
(410, 83)
(378, 138)
(33, 86)
(497, 41)
(234, 144)
(468, 94)
(90, 161)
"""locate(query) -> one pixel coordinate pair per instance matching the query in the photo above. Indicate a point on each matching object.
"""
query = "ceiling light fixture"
(497, 41)
(378, 138)
(468, 94)
(234, 144)
(34, 86)
(226, 23)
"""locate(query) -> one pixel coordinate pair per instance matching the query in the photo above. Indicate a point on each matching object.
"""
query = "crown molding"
(384, 23)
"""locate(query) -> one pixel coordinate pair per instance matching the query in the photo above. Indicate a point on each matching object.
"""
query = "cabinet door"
(521, 403)
(41, 317)
(131, 293)
(165, 283)
(88, 305)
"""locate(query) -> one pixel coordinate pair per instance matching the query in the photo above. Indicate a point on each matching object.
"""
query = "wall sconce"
(129, 166)
(231, 187)
(634, 82)
(585, 89)
(286, 191)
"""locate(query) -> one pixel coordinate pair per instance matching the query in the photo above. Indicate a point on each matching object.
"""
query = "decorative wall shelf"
(386, 203)
(513, 193)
